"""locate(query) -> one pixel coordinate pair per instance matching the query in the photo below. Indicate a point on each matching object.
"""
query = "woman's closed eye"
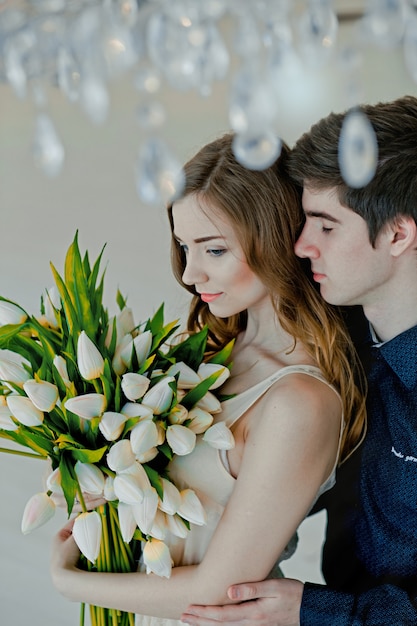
(216, 251)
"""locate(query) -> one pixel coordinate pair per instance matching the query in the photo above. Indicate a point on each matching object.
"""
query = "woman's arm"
(289, 451)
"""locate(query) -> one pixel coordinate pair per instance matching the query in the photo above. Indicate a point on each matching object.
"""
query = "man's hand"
(268, 603)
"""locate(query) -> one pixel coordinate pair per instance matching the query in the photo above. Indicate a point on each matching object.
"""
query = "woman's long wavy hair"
(265, 209)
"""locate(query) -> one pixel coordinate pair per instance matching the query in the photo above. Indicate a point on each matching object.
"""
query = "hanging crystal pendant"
(358, 150)
(48, 151)
(159, 176)
(318, 29)
(384, 22)
(257, 150)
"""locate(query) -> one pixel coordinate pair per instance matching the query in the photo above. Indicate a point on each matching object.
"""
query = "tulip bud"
(53, 482)
(180, 439)
(144, 513)
(159, 397)
(147, 456)
(124, 321)
(171, 499)
(143, 436)
(134, 386)
(127, 521)
(161, 432)
(157, 558)
(6, 422)
(108, 492)
(177, 526)
(120, 456)
(12, 367)
(191, 508)
(142, 344)
(39, 510)
(111, 425)
(178, 415)
(24, 410)
(118, 363)
(159, 527)
(207, 369)
(134, 409)
(188, 378)
(43, 394)
(87, 406)
(219, 436)
(90, 477)
(209, 403)
(10, 313)
(128, 489)
(61, 367)
(89, 359)
(87, 534)
(52, 303)
(200, 420)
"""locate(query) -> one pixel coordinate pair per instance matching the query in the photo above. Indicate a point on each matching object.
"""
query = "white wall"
(96, 195)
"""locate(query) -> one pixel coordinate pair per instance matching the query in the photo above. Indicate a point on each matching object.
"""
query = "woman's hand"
(64, 557)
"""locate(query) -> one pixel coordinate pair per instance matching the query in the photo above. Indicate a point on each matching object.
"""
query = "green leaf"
(192, 350)
(194, 395)
(155, 479)
(69, 310)
(87, 456)
(223, 355)
(69, 483)
(78, 289)
(121, 301)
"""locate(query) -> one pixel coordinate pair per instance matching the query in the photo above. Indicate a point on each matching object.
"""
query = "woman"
(295, 410)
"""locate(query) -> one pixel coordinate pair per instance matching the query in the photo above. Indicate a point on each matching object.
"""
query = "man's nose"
(304, 247)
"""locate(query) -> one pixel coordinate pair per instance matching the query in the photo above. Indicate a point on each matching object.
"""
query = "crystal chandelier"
(80, 46)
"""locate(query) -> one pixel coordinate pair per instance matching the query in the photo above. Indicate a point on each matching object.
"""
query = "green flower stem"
(32, 455)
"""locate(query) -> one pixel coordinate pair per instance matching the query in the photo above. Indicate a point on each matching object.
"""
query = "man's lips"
(209, 297)
(318, 277)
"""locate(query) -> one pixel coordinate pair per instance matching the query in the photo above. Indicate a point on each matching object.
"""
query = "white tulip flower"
(43, 394)
(87, 406)
(127, 521)
(191, 508)
(90, 477)
(159, 528)
(10, 313)
(118, 363)
(159, 397)
(219, 436)
(200, 420)
(177, 526)
(39, 510)
(108, 491)
(6, 422)
(54, 482)
(111, 425)
(209, 403)
(157, 558)
(89, 359)
(142, 344)
(134, 409)
(12, 367)
(144, 513)
(121, 456)
(23, 409)
(134, 386)
(181, 439)
(188, 378)
(171, 499)
(207, 369)
(128, 489)
(61, 367)
(143, 437)
(87, 534)
(178, 415)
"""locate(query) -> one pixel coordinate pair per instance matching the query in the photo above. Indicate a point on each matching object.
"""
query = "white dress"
(205, 471)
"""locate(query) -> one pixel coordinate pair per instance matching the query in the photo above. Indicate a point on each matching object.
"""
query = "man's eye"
(326, 230)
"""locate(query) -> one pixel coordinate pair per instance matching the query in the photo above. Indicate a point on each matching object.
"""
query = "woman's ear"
(404, 235)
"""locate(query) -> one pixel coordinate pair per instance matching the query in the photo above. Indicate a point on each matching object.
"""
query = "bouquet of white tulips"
(108, 403)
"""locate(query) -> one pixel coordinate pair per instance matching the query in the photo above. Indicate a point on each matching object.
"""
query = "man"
(362, 246)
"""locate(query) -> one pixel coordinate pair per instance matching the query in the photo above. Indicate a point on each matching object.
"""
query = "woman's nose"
(192, 274)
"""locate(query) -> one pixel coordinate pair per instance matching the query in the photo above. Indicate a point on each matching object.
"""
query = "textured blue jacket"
(370, 553)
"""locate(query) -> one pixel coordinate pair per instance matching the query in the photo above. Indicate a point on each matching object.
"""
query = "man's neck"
(387, 324)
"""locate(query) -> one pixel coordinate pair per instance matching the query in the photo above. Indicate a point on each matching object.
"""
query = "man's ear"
(403, 234)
